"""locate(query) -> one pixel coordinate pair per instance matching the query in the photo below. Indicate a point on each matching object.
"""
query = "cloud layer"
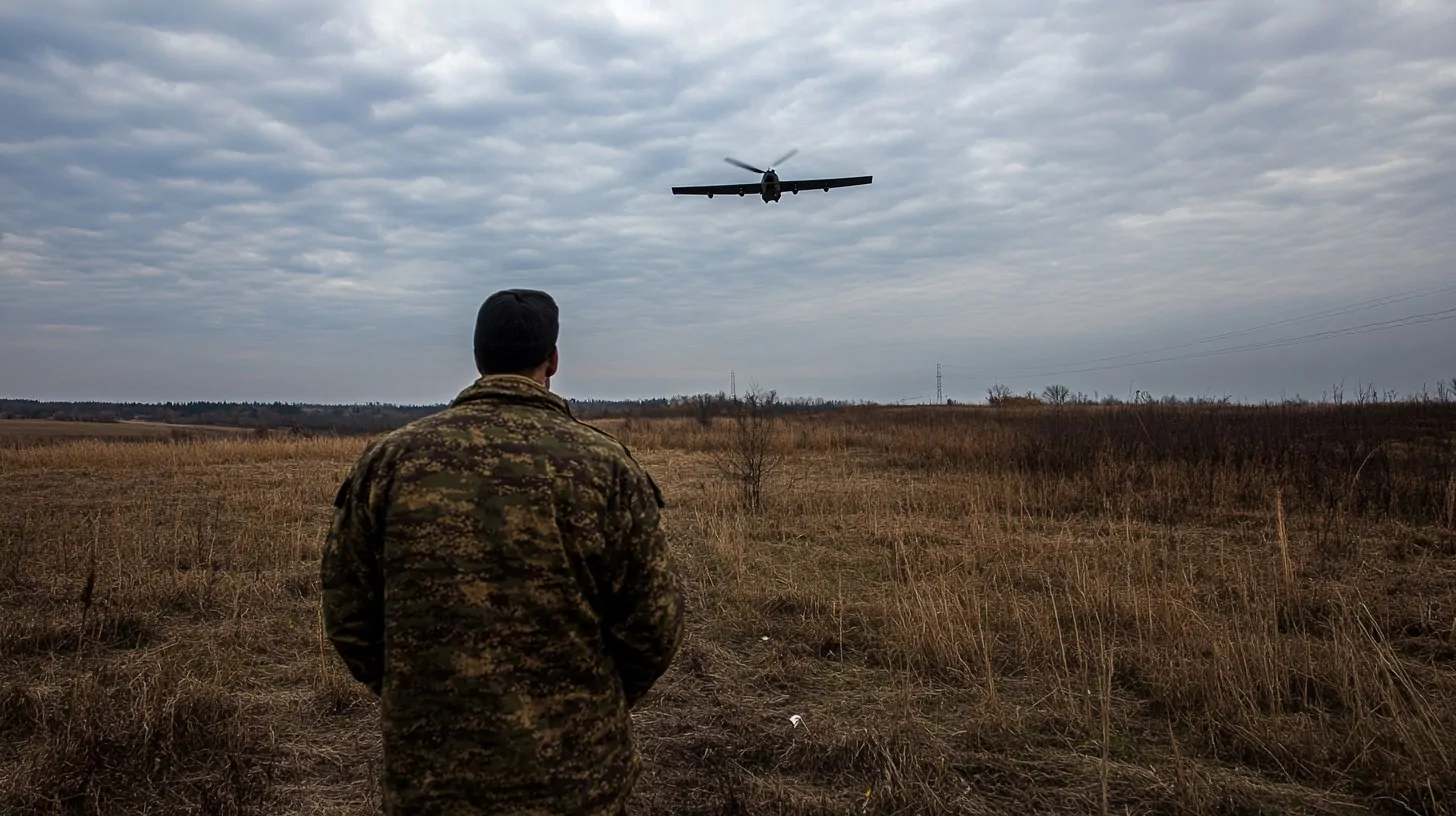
(307, 201)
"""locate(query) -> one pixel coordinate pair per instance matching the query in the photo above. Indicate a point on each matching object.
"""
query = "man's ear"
(554, 363)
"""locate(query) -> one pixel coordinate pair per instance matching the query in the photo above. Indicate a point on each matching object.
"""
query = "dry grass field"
(1126, 610)
(29, 432)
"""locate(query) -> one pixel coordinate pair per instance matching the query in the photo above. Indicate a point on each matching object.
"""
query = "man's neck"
(538, 377)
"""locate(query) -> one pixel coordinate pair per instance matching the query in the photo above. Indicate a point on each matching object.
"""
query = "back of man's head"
(515, 331)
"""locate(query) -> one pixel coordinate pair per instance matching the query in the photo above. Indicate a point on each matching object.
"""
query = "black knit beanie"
(515, 331)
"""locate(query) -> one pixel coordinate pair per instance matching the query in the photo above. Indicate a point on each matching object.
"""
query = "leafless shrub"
(702, 407)
(754, 453)
(1056, 394)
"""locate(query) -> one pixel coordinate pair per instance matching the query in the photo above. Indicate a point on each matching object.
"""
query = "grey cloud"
(339, 184)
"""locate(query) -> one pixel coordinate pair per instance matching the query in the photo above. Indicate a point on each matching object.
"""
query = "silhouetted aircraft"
(770, 187)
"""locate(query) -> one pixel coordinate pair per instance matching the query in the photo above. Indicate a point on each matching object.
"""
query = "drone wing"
(823, 184)
(750, 188)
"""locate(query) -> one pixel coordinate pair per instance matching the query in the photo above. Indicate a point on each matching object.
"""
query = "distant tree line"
(1365, 394)
(368, 418)
(377, 417)
(373, 417)
(705, 407)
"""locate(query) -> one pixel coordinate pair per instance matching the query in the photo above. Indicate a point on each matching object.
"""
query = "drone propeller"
(744, 166)
(785, 157)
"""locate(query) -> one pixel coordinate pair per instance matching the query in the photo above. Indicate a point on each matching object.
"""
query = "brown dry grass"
(958, 637)
(34, 432)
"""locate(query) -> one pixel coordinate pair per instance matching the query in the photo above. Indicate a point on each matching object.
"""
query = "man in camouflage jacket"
(496, 574)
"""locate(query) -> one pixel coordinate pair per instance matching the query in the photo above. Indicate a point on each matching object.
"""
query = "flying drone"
(770, 187)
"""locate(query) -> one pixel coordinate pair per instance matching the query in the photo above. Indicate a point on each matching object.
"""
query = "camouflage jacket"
(496, 574)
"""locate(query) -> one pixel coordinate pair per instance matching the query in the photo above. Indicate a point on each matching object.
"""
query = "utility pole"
(939, 396)
(733, 386)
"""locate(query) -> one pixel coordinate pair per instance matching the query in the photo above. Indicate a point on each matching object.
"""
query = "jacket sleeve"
(353, 587)
(645, 617)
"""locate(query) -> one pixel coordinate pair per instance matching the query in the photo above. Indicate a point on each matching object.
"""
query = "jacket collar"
(511, 388)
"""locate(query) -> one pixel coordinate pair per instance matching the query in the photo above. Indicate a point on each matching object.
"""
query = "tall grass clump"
(112, 742)
(1385, 460)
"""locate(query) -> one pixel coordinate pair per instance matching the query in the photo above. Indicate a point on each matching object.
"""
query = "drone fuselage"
(770, 188)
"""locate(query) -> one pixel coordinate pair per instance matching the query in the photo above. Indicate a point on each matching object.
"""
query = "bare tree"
(997, 394)
(1057, 394)
(703, 409)
(754, 453)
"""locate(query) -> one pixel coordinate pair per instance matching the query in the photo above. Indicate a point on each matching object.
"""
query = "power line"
(1333, 312)
(1365, 328)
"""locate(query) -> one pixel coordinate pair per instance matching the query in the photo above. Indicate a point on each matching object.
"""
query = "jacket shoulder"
(619, 451)
(595, 437)
(552, 433)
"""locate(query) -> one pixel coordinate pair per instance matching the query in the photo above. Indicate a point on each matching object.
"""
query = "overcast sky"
(307, 201)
